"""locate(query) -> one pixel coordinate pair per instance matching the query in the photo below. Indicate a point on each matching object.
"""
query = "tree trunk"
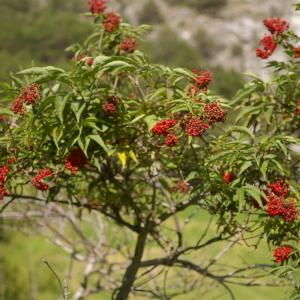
(130, 274)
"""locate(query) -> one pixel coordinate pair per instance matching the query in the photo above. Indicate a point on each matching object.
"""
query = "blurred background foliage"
(203, 6)
(36, 32)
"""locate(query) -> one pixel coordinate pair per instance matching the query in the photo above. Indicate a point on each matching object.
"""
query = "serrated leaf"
(254, 192)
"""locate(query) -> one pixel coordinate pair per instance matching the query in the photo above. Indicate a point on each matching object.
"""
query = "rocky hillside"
(225, 35)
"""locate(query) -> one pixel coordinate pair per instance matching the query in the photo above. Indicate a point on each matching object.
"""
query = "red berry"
(183, 187)
(290, 212)
(90, 61)
(111, 22)
(11, 160)
(228, 177)
(280, 187)
(268, 47)
(97, 6)
(162, 127)
(196, 127)
(3, 174)
(18, 106)
(297, 52)
(110, 107)
(214, 112)
(171, 140)
(30, 94)
(276, 205)
(128, 45)
(276, 25)
(282, 253)
(37, 181)
(203, 78)
(75, 160)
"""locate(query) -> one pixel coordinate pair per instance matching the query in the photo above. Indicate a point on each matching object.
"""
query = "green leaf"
(248, 111)
(78, 108)
(240, 196)
(263, 169)
(150, 120)
(34, 70)
(6, 111)
(99, 141)
(245, 93)
(57, 134)
(245, 166)
(118, 63)
(136, 119)
(242, 129)
(254, 192)
(60, 104)
(184, 72)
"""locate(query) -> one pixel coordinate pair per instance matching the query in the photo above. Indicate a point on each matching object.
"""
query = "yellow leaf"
(123, 158)
(133, 156)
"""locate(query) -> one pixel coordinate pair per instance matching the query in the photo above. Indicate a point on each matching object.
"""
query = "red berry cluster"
(3, 176)
(282, 253)
(97, 6)
(290, 212)
(201, 82)
(128, 45)
(298, 108)
(75, 160)
(297, 52)
(203, 78)
(162, 127)
(37, 181)
(110, 106)
(214, 113)
(196, 126)
(171, 140)
(111, 22)
(228, 177)
(2, 118)
(280, 187)
(276, 26)
(29, 95)
(11, 160)
(277, 205)
(182, 186)
(18, 106)
(268, 47)
(90, 61)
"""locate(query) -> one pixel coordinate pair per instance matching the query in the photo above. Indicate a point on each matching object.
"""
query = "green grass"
(23, 255)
